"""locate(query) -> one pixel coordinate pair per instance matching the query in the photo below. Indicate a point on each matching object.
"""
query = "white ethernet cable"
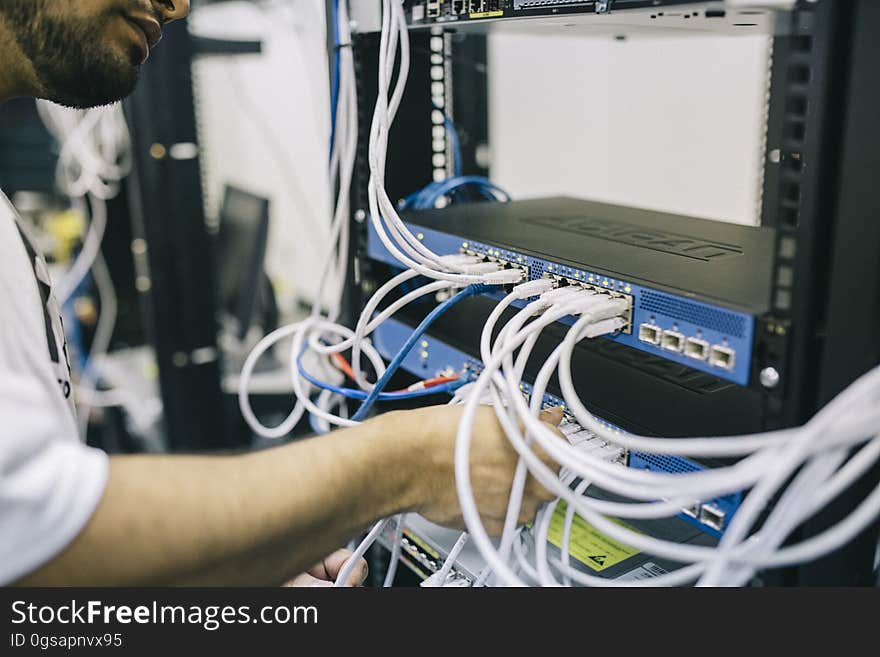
(395, 551)
(690, 573)
(359, 552)
(439, 579)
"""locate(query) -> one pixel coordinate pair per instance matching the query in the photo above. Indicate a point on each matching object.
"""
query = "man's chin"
(94, 90)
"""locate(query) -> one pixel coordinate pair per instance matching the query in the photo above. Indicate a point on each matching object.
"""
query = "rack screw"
(769, 377)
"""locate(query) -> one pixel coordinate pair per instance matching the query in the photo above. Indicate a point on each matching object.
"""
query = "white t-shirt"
(50, 483)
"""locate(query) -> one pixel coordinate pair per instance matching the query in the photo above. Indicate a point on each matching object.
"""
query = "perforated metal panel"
(713, 318)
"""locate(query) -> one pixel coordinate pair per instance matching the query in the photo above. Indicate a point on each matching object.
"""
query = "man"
(69, 515)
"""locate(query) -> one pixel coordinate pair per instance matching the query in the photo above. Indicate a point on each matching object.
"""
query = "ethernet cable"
(439, 578)
(427, 197)
(395, 551)
(565, 540)
(359, 552)
(352, 393)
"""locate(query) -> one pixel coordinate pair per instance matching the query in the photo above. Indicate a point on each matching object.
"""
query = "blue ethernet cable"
(394, 365)
(427, 197)
(334, 88)
(457, 160)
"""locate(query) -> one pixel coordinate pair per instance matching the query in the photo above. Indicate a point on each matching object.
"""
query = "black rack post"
(174, 258)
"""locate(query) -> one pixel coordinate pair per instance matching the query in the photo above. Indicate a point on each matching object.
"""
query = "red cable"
(342, 363)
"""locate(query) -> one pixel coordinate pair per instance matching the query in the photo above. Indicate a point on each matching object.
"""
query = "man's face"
(88, 52)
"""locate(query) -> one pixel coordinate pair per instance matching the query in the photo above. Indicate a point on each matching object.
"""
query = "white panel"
(264, 124)
(662, 123)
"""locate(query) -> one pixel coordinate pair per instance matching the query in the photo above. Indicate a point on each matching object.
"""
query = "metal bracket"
(603, 6)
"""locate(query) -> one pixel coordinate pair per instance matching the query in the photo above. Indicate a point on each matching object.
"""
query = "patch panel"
(436, 357)
(694, 292)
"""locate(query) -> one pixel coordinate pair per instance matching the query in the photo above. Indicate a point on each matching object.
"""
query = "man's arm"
(264, 517)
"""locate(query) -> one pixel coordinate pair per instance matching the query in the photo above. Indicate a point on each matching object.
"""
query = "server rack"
(821, 332)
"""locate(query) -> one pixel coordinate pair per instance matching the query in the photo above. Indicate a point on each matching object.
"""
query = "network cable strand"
(440, 578)
(396, 546)
(856, 465)
(359, 552)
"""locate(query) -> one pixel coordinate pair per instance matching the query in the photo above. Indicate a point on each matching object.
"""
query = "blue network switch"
(705, 337)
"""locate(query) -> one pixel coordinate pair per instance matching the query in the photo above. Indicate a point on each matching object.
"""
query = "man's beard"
(74, 64)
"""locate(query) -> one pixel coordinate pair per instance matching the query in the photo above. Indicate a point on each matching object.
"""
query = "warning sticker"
(486, 14)
(588, 545)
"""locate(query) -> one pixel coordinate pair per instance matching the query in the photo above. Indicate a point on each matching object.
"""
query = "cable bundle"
(813, 457)
(95, 155)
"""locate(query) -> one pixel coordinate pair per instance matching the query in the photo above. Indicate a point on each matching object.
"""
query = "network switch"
(694, 286)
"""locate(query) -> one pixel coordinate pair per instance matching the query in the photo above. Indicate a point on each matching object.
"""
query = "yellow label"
(487, 14)
(427, 549)
(588, 545)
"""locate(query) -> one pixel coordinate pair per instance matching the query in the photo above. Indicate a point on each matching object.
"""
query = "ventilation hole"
(791, 192)
(797, 106)
(795, 131)
(802, 44)
(788, 217)
(710, 318)
(799, 74)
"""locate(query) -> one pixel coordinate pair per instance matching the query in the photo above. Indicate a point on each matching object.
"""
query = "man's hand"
(326, 572)
(493, 463)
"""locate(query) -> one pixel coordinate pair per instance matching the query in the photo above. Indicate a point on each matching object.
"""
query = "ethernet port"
(696, 348)
(672, 341)
(723, 357)
(712, 516)
(650, 333)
